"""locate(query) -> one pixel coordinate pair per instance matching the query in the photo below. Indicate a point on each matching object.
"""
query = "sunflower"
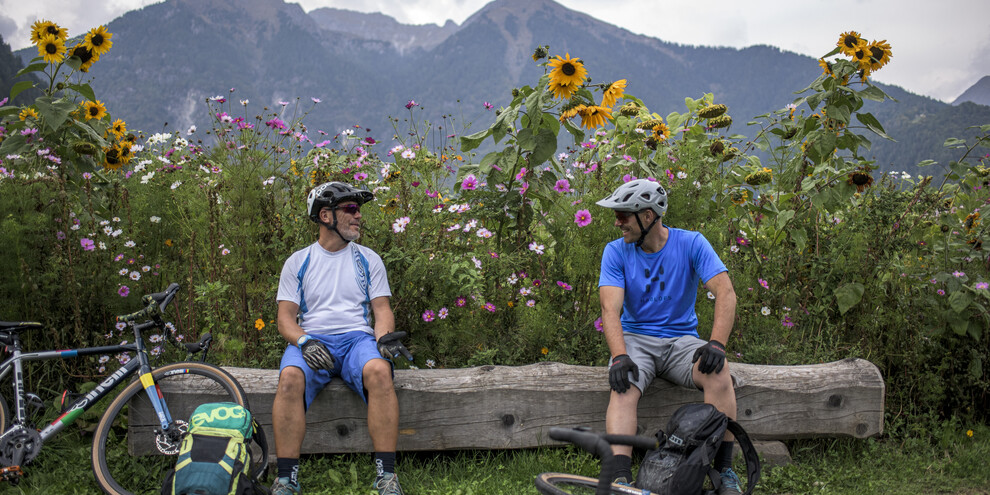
(860, 178)
(613, 92)
(28, 112)
(849, 42)
(879, 52)
(661, 132)
(569, 113)
(124, 152)
(43, 28)
(759, 177)
(84, 54)
(862, 57)
(94, 109)
(97, 40)
(712, 111)
(119, 128)
(52, 49)
(563, 91)
(567, 71)
(594, 116)
(740, 197)
(826, 67)
(540, 52)
(111, 160)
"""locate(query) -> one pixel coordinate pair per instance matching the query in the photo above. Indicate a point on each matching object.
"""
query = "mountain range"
(168, 58)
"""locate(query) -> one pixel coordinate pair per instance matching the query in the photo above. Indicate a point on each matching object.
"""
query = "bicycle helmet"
(637, 195)
(330, 194)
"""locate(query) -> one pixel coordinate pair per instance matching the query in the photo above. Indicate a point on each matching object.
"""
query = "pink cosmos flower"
(428, 315)
(87, 244)
(599, 326)
(521, 174)
(628, 178)
(360, 176)
(469, 183)
(123, 291)
(582, 218)
(460, 301)
(488, 106)
(443, 313)
(411, 103)
(764, 284)
(982, 285)
(562, 186)
(490, 307)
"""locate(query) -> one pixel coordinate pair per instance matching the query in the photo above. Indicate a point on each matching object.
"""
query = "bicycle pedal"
(11, 474)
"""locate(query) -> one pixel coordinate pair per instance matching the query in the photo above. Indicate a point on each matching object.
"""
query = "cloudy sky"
(940, 48)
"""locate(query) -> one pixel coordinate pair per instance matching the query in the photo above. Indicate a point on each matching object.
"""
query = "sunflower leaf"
(32, 68)
(926, 163)
(546, 145)
(54, 112)
(872, 124)
(848, 296)
(526, 139)
(800, 238)
(960, 300)
(575, 131)
(873, 93)
(472, 141)
(784, 217)
(85, 90)
(20, 86)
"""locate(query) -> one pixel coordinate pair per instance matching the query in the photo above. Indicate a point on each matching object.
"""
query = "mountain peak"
(978, 93)
(380, 27)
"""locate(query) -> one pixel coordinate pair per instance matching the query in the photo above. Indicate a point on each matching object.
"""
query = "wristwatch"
(302, 340)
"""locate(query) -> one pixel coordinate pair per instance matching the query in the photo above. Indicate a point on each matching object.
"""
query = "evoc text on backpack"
(215, 454)
(686, 452)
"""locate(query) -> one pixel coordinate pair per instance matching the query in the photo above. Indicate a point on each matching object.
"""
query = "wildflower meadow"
(491, 237)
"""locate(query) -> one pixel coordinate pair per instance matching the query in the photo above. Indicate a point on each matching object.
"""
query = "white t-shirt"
(333, 290)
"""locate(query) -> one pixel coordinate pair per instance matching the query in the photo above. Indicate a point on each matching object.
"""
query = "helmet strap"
(644, 231)
(332, 226)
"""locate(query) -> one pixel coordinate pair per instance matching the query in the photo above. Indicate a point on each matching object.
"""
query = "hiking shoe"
(282, 486)
(388, 484)
(730, 483)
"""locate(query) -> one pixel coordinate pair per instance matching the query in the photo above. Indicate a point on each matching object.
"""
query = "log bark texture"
(508, 407)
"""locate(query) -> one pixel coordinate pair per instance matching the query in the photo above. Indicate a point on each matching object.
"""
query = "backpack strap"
(258, 435)
(749, 454)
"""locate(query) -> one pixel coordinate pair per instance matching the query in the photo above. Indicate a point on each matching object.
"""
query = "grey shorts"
(669, 359)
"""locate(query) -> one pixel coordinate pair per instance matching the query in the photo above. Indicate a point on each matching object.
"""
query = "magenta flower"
(360, 176)
(369, 140)
(428, 315)
(60, 235)
(276, 123)
(628, 178)
(741, 241)
(87, 244)
(523, 188)
(469, 183)
(982, 285)
(562, 186)
(490, 307)
(599, 326)
(564, 285)
(582, 218)
(786, 321)
(958, 274)
(488, 106)
(521, 174)
(460, 301)
(123, 291)
(940, 292)
(764, 284)
(443, 313)
(411, 103)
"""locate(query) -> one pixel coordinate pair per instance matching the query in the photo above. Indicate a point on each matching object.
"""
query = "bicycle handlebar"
(155, 304)
(599, 443)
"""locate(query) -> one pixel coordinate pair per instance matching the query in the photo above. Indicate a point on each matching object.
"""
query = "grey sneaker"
(621, 480)
(282, 486)
(730, 483)
(388, 484)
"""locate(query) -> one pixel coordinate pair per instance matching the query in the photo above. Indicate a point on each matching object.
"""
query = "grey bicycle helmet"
(637, 195)
(330, 194)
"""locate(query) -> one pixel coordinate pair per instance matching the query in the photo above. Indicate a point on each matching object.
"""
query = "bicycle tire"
(118, 468)
(4, 414)
(572, 484)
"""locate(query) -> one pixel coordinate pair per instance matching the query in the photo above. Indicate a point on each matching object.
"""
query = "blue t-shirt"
(660, 288)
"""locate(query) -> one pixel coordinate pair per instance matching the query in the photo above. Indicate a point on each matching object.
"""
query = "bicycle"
(599, 444)
(117, 469)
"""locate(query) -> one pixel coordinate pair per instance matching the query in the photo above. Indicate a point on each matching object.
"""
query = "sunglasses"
(623, 215)
(350, 209)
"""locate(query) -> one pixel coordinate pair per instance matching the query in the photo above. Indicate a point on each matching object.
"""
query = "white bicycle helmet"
(637, 195)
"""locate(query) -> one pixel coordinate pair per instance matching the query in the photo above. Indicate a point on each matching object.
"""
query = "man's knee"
(377, 374)
(291, 383)
(719, 383)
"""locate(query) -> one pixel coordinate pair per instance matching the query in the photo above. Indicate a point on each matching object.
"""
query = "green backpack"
(215, 454)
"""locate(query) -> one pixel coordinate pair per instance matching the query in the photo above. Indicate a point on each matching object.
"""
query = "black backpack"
(686, 452)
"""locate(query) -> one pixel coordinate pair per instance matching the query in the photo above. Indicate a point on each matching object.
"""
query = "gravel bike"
(599, 444)
(167, 395)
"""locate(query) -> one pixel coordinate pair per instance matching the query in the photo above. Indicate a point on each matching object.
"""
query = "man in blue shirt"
(648, 286)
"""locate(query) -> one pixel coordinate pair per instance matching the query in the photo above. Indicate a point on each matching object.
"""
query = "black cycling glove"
(390, 346)
(316, 355)
(712, 356)
(618, 372)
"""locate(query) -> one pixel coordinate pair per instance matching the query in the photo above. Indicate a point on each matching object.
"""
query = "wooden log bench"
(511, 407)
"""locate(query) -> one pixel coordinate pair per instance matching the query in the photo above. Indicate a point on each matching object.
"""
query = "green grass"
(946, 461)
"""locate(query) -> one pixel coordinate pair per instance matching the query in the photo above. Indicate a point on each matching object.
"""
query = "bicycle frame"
(140, 363)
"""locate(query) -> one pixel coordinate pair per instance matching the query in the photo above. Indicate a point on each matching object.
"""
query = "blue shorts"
(350, 350)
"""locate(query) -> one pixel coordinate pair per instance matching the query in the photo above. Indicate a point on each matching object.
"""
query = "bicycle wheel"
(129, 455)
(572, 484)
(4, 414)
